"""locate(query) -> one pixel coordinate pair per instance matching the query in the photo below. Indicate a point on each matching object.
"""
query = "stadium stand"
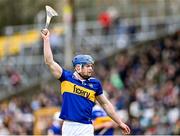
(89, 38)
(15, 43)
(148, 92)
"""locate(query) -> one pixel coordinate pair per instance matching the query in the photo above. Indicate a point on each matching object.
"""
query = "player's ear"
(78, 68)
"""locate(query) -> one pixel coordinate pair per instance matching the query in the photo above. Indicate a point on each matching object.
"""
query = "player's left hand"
(125, 129)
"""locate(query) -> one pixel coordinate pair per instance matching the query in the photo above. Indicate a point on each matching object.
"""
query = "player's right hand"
(45, 33)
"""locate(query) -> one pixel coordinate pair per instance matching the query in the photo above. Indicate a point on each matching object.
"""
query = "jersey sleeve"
(100, 89)
(64, 75)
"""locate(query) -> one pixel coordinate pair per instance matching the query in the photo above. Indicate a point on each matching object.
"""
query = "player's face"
(87, 70)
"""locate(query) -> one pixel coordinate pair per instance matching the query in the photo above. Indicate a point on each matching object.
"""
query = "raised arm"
(55, 68)
(108, 107)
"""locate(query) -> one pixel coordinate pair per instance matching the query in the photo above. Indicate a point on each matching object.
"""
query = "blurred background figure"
(105, 21)
(103, 125)
(55, 127)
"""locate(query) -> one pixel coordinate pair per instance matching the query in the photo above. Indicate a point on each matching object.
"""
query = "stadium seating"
(147, 98)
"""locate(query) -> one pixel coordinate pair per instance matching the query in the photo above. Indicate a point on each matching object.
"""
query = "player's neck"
(77, 76)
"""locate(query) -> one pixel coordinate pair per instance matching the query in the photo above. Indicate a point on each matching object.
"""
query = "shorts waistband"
(74, 123)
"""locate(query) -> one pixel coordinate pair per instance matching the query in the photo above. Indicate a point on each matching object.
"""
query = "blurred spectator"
(14, 76)
(55, 127)
(109, 20)
(105, 21)
(3, 129)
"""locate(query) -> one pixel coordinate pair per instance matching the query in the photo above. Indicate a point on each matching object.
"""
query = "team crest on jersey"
(91, 85)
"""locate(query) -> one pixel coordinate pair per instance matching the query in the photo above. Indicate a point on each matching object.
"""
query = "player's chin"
(89, 74)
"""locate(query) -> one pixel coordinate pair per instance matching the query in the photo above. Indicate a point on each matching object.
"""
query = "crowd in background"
(17, 115)
(146, 85)
(143, 84)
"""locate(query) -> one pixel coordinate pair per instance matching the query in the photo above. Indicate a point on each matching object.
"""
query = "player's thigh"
(77, 129)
